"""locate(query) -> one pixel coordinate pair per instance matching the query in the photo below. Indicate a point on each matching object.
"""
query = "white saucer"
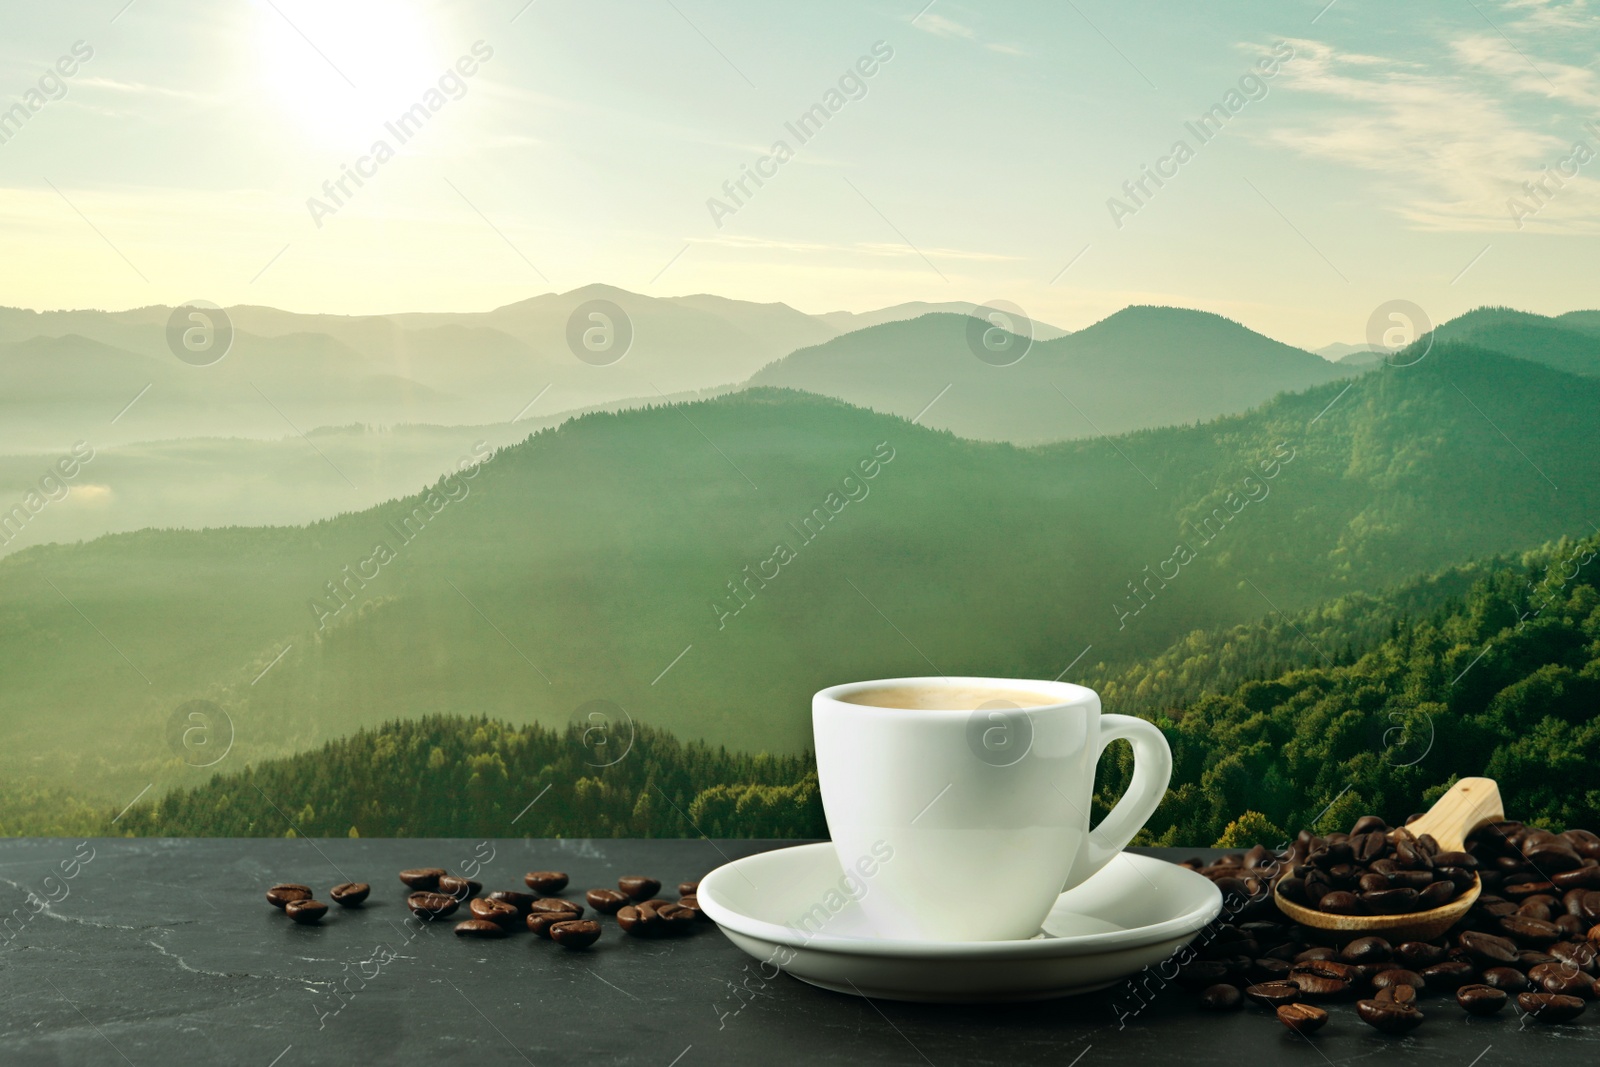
(1131, 915)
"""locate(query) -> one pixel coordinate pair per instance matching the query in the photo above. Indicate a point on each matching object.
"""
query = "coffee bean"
(605, 901)
(1520, 890)
(1481, 999)
(540, 922)
(1528, 931)
(1388, 1016)
(575, 933)
(1567, 982)
(1577, 878)
(688, 889)
(1487, 947)
(494, 911)
(1340, 902)
(1398, 994)
(546, 883)
(638, 887)
(1368, 824)
(1272, 994)
(1579, 954)
(1386, 901)
(350, 894)
(521, 901)
(1412, 879)
(1456, 859)
(1221, 997)
(1545, 968)
(306, 912)
(1535, 908)
(1419, 953)
(285, 892)
(1451, 974)
(422, 877)
(1302, 1018)
(693, 904)
(1512, 981)
(654, 918)
(1398, 977)
(1367, 847)
(479, 928)
(1530, 958)
(1550, 1007)
(556, 904)
(428, 906)
(1268, 969)
(460, 888)
(1437, 895)
(1367, 950)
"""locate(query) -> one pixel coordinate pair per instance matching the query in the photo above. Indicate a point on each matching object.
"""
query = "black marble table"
(165, 952)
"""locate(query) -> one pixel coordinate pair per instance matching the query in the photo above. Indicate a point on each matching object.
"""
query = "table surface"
(161, 951)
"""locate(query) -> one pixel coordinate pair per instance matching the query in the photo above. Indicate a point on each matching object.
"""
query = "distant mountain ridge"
(1137, 369)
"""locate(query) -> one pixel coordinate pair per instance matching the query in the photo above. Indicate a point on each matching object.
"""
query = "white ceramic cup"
(972, 821)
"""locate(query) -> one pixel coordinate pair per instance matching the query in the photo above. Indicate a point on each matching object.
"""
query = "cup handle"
(1152, 771)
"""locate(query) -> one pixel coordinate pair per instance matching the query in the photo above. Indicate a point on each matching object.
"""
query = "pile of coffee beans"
(435, 894)
(1377, 871)
(1532, 937)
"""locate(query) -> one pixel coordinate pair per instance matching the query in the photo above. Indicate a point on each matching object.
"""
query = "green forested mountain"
(1500, 677)
(1504, 683)
(1569, 342)
(707, 566)
(489, 779)
(1140, 368)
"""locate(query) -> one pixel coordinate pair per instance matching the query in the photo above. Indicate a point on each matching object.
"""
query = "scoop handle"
(1470, 804)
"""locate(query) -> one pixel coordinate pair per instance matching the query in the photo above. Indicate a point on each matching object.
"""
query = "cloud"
(939, 26)
(112, 85)
(1539, 15)
(948, 28)
(1448, 149)
(1557, 81)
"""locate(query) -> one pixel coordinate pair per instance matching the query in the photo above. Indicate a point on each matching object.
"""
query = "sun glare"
(341, 68)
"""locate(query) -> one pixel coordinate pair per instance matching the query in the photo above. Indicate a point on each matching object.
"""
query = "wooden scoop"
(1470, 804)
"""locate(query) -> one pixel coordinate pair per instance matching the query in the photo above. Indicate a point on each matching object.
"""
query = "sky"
(983, 157)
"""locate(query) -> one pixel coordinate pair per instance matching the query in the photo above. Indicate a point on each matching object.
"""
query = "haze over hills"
(1140, 368)
(287, 371)
(847, 321)
(706, 567)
